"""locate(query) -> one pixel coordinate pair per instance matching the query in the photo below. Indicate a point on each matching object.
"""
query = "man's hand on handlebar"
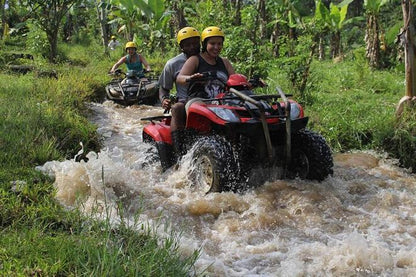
(166, 103)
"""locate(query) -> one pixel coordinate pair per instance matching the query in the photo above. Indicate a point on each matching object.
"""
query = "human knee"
(178, 109)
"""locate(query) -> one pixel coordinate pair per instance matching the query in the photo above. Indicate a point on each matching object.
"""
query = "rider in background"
(189, 42)
(133, 60)
(209, 60)
(113, 43)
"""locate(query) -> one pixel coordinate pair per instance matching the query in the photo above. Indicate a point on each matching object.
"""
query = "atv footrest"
(157, 118)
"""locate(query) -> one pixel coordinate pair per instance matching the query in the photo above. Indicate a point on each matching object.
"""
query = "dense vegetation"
(349, 86)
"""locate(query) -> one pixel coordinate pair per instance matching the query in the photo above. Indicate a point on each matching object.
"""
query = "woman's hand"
(194, 77)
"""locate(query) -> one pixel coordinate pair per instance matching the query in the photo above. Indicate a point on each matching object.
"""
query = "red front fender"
(201, 118)
(159, 132)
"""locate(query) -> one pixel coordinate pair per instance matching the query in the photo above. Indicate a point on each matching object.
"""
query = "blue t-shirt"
(136, 66)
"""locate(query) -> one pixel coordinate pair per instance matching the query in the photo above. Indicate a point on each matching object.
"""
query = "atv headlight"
(294, 110)
(225, 114)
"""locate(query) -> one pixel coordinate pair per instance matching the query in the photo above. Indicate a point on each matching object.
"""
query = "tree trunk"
(49, 14)
(263, 18)
(305, 75)
(409, 48)
(2, 18)
(237, 18)
(102, 18)
(292, 41)
(274, 40)
(372, 41)
(179, 20)
(336, 45)
(53, 44)
(321, 47)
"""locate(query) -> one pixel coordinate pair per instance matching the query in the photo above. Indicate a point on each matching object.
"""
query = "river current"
(358, 222)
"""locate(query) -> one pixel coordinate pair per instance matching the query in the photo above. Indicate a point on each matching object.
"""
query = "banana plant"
(333, 20)
(147, 17)
(286, 19)
(127, 13)
(158, 23)
(103, 7)
(322, 25)
(372, 31)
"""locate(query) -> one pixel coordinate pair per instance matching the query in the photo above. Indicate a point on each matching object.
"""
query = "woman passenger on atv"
(133, 60)
(209, 60)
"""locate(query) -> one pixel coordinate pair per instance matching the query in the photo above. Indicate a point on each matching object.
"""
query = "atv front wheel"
(164, 152)
(214, 168)
(311, 156)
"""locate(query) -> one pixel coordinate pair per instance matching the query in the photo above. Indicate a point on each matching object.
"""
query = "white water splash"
(360, 222)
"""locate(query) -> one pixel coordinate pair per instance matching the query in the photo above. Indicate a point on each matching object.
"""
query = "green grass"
(354, 107)
(49, 241)
(350, 105)
(44, 119)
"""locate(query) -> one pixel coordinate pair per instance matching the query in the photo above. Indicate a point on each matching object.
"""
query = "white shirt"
(113, 44)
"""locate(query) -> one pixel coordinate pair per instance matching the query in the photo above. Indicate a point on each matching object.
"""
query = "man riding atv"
(239, 138)
(189, 41)
(209, 60)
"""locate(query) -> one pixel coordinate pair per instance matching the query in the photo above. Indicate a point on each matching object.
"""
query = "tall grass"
(43, 119)
(352, 106)
(48, 241)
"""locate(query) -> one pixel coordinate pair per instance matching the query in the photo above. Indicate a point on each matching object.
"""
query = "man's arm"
(164, 97)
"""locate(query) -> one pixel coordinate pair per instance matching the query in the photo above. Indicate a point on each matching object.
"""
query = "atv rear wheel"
(214, 168)
(311, 156)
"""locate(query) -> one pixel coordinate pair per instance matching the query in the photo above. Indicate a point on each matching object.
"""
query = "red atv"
(240, 138)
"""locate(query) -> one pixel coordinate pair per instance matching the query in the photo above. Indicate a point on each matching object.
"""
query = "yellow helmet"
(113, 37)
(187, 32)
(212, 31)
(131, 44)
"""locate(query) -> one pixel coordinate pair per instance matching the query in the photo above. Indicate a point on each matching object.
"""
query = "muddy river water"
(359, 222)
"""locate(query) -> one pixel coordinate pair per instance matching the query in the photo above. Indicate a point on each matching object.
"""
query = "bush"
(36, 41)
(401, 143)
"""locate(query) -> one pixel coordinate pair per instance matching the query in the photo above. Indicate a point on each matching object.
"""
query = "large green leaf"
(343, 15)
(334, 15)
(157, 7)
(345, 3)
(144, 7)
(321, 12)
(391, 33)
(372, 6)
